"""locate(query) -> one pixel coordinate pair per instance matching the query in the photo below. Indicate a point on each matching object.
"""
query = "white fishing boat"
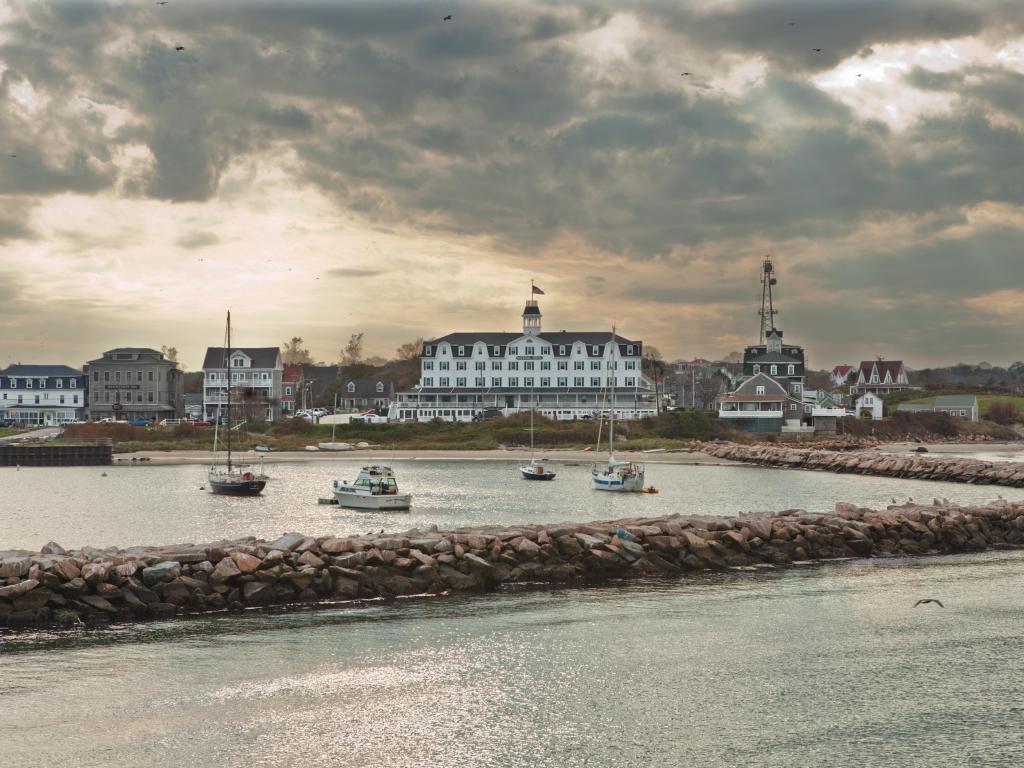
(622, 476)
(233, 479)
(374, 488)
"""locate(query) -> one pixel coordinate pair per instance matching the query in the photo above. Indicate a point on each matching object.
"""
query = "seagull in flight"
(685, 74)
(929, 600)
(447, 18)
(179, 47)
(161, 2)
(816, 50)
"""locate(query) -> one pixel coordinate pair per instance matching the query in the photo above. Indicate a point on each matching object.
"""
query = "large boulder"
(94, 573)
(67, 568)
(226, 569)
(73, 588)
(14, 565)
(52, 548)
(31, 600)
(246, 563)
(166, 571)
(17, 590)
(335, 546)
(288, 541)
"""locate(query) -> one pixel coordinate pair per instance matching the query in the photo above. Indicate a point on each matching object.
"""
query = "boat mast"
(531, 425)
(227, 365)
(611, 418)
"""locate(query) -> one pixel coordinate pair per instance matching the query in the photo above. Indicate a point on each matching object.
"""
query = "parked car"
(141, 422)
(111, 420)
(201, 423)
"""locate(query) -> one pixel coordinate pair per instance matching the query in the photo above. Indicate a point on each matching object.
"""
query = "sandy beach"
(378, 456)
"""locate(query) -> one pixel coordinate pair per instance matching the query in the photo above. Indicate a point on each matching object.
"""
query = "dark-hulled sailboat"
(233, 479)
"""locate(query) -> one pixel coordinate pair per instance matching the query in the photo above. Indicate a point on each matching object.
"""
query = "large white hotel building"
(564, 375)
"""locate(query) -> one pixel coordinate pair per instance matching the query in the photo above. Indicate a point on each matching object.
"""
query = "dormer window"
(60, 383)
(351, 387)
(775, 370)
(497, 351)
(597, 350)
(561, 349)
(427, 350)
(757, 369)
(759, 389)
(380, 386)
(629, 349)
(791, 370)
(462, 351)
(28, 383)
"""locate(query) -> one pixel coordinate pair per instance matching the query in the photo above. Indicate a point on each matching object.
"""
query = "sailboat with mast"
(623, 476)
(535, 470)
(233, 479)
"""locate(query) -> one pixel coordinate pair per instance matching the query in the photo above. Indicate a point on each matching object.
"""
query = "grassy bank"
(666, 431)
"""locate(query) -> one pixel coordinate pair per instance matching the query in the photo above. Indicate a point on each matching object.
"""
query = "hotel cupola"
(531, 318)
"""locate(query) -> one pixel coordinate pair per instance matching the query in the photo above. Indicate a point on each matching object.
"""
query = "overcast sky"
(330, 168)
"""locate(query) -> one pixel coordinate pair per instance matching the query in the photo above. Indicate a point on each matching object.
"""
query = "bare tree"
(294, 353)
(410, 350)
(171, 353)
(352, 353)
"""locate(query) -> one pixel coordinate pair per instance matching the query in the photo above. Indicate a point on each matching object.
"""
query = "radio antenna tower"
(768, 310)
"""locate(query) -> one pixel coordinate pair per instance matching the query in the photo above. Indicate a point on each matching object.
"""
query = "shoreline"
(378, 456)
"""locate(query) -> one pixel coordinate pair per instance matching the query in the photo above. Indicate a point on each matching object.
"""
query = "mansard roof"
(775, 357)
(132, 355)
(262, 357)
(17, 369)
(556, 339)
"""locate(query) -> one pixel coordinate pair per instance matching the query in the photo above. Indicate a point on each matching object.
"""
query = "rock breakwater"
(55, 586)
(951, 469)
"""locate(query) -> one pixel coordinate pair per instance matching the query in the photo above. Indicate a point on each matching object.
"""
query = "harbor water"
(153, 505)
(826, 665)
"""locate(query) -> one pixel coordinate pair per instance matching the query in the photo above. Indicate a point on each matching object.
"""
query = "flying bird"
(685, 74)
(179, 47)
(13, 155)
(792, 23)
(447, 18)
(816, 50)
(929, 600)
(161, 2)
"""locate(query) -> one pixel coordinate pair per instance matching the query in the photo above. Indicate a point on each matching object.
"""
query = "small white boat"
(374, 488)
(311, 448)
(332, 446)
(622, 476)
(619, 476)
(535, 470)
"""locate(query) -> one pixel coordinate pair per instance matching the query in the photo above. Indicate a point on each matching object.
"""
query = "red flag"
(537, 290)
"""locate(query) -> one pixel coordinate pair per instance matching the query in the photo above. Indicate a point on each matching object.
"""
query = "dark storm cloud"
(193, 240)
(500, 123)
(353, 272)
(495, 121)
(980, 263)
(786, 32)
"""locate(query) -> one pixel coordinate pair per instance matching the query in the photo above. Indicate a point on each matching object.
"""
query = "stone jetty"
(55, 586)
(921, 466)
